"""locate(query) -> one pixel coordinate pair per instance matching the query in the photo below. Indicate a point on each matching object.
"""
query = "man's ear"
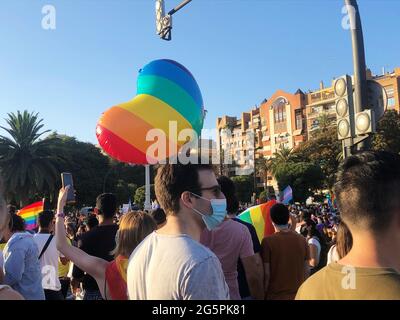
(187, 199)
(96, 211)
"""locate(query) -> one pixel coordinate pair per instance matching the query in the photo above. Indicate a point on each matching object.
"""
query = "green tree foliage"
(304, 178)
(28, 163)
(281, 158)
(324, 150)
(387, 136)
(140, 195)
(261, 168)
(88, 166)
(244, 187)
(125, 191)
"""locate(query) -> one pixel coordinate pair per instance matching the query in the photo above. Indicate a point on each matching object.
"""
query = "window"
(299, 120)
(391, 102)
(279, 108)
(389, 91)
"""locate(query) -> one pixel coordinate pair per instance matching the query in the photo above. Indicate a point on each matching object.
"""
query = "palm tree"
(324, 123)
(262, 168)
(27, 163)
(280, 158)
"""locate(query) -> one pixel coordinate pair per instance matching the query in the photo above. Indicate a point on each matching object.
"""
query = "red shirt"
(116, 278)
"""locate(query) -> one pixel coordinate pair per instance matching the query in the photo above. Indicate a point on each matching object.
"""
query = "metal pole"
(147, 203)
(179, 7)
(360, 76)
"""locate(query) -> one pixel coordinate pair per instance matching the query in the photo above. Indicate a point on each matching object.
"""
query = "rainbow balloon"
(168, 99)
(259, 216)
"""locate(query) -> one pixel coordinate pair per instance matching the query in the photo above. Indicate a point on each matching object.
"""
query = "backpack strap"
(46, 246)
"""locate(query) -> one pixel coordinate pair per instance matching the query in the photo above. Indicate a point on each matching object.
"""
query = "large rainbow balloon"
(168, 99)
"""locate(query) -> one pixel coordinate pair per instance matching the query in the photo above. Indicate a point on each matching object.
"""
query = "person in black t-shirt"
(99, 242)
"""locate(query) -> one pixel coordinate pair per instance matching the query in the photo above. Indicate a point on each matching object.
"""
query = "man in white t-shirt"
(171, 264)
(49, 256)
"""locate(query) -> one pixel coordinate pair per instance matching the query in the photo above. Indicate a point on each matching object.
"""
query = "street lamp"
(164, 21)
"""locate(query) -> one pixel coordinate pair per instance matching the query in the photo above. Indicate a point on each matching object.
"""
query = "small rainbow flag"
(30, 214)
(259, 216)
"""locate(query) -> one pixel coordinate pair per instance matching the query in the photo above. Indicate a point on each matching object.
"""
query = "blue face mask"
(218, 214)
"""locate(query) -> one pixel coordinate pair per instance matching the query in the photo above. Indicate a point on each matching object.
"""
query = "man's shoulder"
(241, 222)
(235, 226)
(289, 237)
(177, 248)
(336, 281)
(314, 285)
(297, 236)
(99, 231)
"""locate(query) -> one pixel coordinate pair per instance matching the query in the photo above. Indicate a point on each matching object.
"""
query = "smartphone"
(66, 179)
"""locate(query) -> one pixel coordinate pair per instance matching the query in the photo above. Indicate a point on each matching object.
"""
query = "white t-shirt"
(333, 255)
(175, 267)
(315, 242)
(48, 261)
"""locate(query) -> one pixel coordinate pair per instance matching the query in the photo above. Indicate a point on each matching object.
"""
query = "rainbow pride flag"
(259, 216)
(30, 214)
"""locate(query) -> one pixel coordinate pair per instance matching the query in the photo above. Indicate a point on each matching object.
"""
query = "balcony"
(323, 95)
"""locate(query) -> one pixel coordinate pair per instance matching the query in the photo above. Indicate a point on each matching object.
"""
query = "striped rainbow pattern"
(259, 216)
(166, 91)
(30, 214)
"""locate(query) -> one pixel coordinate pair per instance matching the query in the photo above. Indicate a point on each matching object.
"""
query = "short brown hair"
(133, 228)
(173, 179)
(366, 188)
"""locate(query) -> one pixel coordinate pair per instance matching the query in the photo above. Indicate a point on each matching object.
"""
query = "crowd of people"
(195, 247)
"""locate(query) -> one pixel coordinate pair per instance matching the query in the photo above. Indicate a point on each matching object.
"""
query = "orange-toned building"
(391, 82)
(284, 124)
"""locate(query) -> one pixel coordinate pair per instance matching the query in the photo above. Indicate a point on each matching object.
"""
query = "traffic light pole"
(360, 76)
(179, 7)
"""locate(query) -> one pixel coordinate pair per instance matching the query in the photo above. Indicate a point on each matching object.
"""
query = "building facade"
(286, 120)
(391, 82)
(283, 122)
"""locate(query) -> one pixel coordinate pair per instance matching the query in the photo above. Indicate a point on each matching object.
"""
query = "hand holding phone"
(66, 179)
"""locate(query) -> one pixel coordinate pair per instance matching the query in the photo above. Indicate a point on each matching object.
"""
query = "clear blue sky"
(240, 52)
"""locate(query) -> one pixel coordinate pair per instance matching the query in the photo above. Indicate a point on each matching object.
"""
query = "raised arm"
(94, 266)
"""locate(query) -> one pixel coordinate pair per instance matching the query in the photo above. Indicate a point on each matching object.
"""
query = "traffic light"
(365, 122)
(344, 106)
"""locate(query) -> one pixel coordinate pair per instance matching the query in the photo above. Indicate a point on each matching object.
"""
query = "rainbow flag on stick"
(259, 216)
(30, 214)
